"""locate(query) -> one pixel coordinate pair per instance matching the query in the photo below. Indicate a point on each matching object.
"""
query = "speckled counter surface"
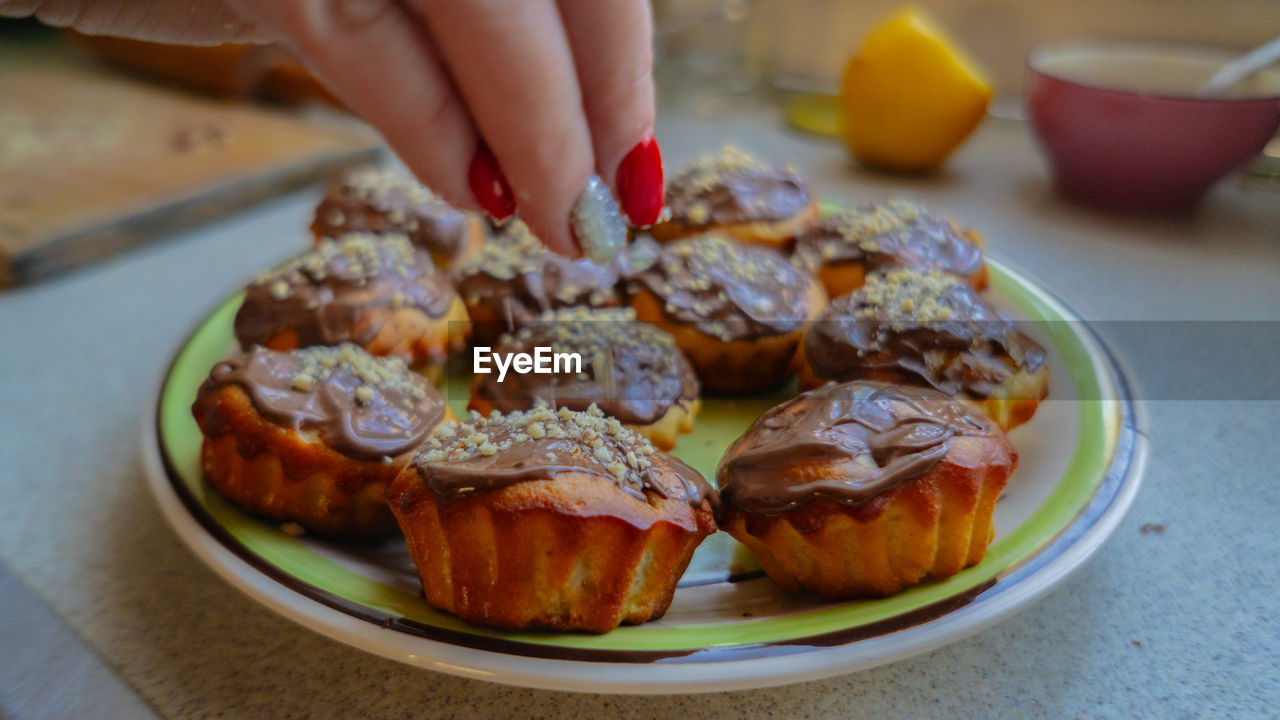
(1173, 620)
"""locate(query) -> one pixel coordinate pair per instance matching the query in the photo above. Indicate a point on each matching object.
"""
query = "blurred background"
(107, 142)
(804, 44)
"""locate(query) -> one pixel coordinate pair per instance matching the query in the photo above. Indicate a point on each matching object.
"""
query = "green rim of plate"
(180, 441)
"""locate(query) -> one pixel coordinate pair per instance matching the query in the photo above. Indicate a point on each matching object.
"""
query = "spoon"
(1240, 68)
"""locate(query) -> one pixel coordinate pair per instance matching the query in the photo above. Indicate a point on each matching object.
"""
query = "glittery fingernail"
(596, 224)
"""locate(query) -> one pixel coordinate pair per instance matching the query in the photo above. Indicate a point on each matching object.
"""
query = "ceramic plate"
(728, 627)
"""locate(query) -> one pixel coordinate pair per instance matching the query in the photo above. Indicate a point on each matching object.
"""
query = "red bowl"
(1124, 131)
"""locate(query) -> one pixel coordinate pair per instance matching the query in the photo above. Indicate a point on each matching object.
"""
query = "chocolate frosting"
(633, 371)
(385, 201)
(887, 235)
(519, 279)
(732, 187)
(923, 329)
(323, 295)
(359, 405)
(488, 453)
(843, 442)
(725, 289)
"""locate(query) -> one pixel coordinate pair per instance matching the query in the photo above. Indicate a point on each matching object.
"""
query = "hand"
(501, 105)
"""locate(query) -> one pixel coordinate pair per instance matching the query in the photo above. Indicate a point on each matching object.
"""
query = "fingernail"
(639, 182)
(595, 223)
(489, 185)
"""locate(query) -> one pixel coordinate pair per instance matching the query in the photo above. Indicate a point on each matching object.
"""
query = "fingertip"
(465, 202)
(375, 57)
(548, 177)
(455, 193)
(556, 236)
(613, 56)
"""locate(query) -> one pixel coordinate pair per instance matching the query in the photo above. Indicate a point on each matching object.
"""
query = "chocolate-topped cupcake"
(516, 278)
(736, 311)
(550, 519)
(842, 249)
(314, 436)
(633, 371)
(864, 488)
(378, 200)
(732, 192)
(929, 329)
(377, 291)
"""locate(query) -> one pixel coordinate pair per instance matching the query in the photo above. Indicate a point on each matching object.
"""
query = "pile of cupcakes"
(554, 504)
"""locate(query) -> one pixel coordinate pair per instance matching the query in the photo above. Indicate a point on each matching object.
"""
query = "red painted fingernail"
(489, 185)
(639, 182)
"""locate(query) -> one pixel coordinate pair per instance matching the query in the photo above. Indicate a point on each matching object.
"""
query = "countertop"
(106, 613)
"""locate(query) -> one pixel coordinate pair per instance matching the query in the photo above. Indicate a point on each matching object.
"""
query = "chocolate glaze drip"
(513, 455)
(633, 371)
(518, 279)
(973, 349)
(383, 202)
(728, 290)
(323, 295)
(843, 442)
(748, 191)
(890, 235)
(387, 418)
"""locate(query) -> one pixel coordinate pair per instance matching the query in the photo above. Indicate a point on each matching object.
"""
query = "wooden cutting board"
(91, 162)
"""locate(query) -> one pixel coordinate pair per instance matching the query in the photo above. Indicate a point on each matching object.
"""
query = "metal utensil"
(1242, 67)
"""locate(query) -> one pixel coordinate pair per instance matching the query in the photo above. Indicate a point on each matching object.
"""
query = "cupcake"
(633, 371)
(737, 312)
(376, 291)
(734, 193)
(516, 278)
(928, 329)
(550, 519)
(843, 249)
(863, 489)
(382, 201)
(314, 436)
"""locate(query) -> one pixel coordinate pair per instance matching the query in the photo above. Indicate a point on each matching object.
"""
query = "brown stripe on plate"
(1117, 474)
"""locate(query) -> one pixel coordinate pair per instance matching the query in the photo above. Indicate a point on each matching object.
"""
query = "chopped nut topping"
(587, 437)
(592, 332)
(709, 170)
(699, 213)
(905, 298)
(353, 256)
(510, 253)
(863, 227)
(729, 290)
(376, 374)
(388, 190)
(698, 254)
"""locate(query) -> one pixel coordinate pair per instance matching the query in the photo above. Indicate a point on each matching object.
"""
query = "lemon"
(910, 97)
(817, 114)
